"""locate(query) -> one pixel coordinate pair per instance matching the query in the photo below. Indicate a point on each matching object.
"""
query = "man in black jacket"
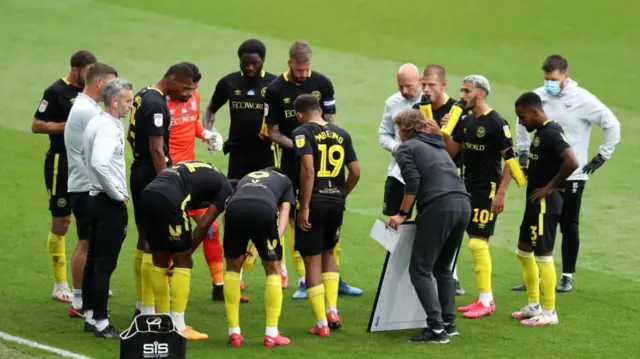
(443, 214)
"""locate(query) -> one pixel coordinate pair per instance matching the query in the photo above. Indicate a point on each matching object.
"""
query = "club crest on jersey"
(507, 131)
(43, 106)
(316, 94)
(263, 92)
(536, 141)
(157, 119)
(480, 132)
(300, 141)
(251, 93)
(194, 106)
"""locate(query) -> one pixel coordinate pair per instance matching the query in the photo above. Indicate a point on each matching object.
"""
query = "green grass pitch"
(359, 45)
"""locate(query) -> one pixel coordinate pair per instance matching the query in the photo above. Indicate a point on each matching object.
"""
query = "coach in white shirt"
(104, 159)
(84, 108)
(576, 110)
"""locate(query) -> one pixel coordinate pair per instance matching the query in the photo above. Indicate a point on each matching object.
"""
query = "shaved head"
(409, 80)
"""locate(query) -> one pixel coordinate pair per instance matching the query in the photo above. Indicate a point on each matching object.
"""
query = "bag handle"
(150, 323)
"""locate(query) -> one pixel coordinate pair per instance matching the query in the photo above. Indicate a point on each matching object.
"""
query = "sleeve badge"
(157, 119)
(300, 141)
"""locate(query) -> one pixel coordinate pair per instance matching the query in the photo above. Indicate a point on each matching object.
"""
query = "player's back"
(184, 121)
(194, 182)
(482, 139)
(332, 150)
(268, 186)
(149, 117)
(545, 157)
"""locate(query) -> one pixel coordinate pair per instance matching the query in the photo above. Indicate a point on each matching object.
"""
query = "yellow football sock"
(336, 253)
(137, 272)
(331, 281)
(273, 300)
(547, 282)
(482, 262)
(180, 288)
(146, 271)
(530, 275)
(160, 289)
(57, 254)
(316, 298)
(232, 298)
(297, 258)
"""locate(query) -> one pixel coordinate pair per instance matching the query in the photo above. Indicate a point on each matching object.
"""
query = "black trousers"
(109, 221)
(439, 233)
(569, 223)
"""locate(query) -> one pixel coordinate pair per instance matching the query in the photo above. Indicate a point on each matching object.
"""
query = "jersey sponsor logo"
(157, 119)
(507, 131)
(43, 106)
(481, 131)
(300, 141)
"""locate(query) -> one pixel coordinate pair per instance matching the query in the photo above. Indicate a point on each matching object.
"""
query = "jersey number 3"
(333, 156)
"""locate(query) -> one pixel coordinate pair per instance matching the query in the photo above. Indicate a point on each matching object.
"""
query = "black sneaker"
(451, 330)
(110, 332)
(520, 288)
(459, 291)
(566, 285)
(89, 328)
(429, 336)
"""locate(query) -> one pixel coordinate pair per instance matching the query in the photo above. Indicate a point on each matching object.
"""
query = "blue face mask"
(552, 87)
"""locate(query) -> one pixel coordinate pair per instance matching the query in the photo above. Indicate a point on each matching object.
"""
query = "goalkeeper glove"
(214, 140)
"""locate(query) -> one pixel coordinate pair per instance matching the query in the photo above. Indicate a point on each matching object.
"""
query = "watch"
(403, 213)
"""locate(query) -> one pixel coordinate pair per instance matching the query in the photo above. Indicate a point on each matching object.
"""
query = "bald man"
(409, 93)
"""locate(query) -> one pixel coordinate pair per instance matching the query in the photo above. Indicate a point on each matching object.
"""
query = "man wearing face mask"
(84, 108)
(279, 122)
(576, 110)
(485, 139)
(103, 142)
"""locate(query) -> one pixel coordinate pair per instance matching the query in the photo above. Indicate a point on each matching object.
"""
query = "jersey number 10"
(334, 156)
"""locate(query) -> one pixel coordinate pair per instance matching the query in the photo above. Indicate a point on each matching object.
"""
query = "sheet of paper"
(386, 236)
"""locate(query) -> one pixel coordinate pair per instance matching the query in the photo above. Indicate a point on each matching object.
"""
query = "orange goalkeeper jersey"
(185, 127)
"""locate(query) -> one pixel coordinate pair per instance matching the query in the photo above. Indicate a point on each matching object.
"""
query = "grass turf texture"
(359, 45)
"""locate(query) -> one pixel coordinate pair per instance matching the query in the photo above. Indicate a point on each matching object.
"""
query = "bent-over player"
(551, 162)
(322, 151)
(165, 205)
(258, 211)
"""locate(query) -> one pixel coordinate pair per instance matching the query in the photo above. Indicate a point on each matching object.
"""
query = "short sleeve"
(301, 142)
(221, 197)
(502, 134)
(220, 94)
(458, 132)
(288, 195)
(556, 140)
(327, 97)
(350, 152)
(47, 109)
(153, 117)
(272, 107)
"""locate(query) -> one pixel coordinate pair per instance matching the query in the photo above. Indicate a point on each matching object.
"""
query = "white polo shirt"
(84, 109)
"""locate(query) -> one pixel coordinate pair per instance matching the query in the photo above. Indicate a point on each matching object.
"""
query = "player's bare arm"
(569, 165)
(353, 177)
(307, 174)
(276, 136)
(210, 115)
(156, 148)
(497, 205)
(283, 219)
(47, 127)
(203, 227)
(331, 118)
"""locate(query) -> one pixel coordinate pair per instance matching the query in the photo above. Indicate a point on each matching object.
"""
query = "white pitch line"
(22, 341)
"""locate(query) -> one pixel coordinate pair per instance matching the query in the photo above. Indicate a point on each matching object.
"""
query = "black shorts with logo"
(540, 222)
(79, 203)
(168, 226)
(140, 177)
(253, 220)
(325, 219)
(483, 221)
(56, 172)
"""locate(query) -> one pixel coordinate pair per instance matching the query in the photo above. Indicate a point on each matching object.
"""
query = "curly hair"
(411, 122)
